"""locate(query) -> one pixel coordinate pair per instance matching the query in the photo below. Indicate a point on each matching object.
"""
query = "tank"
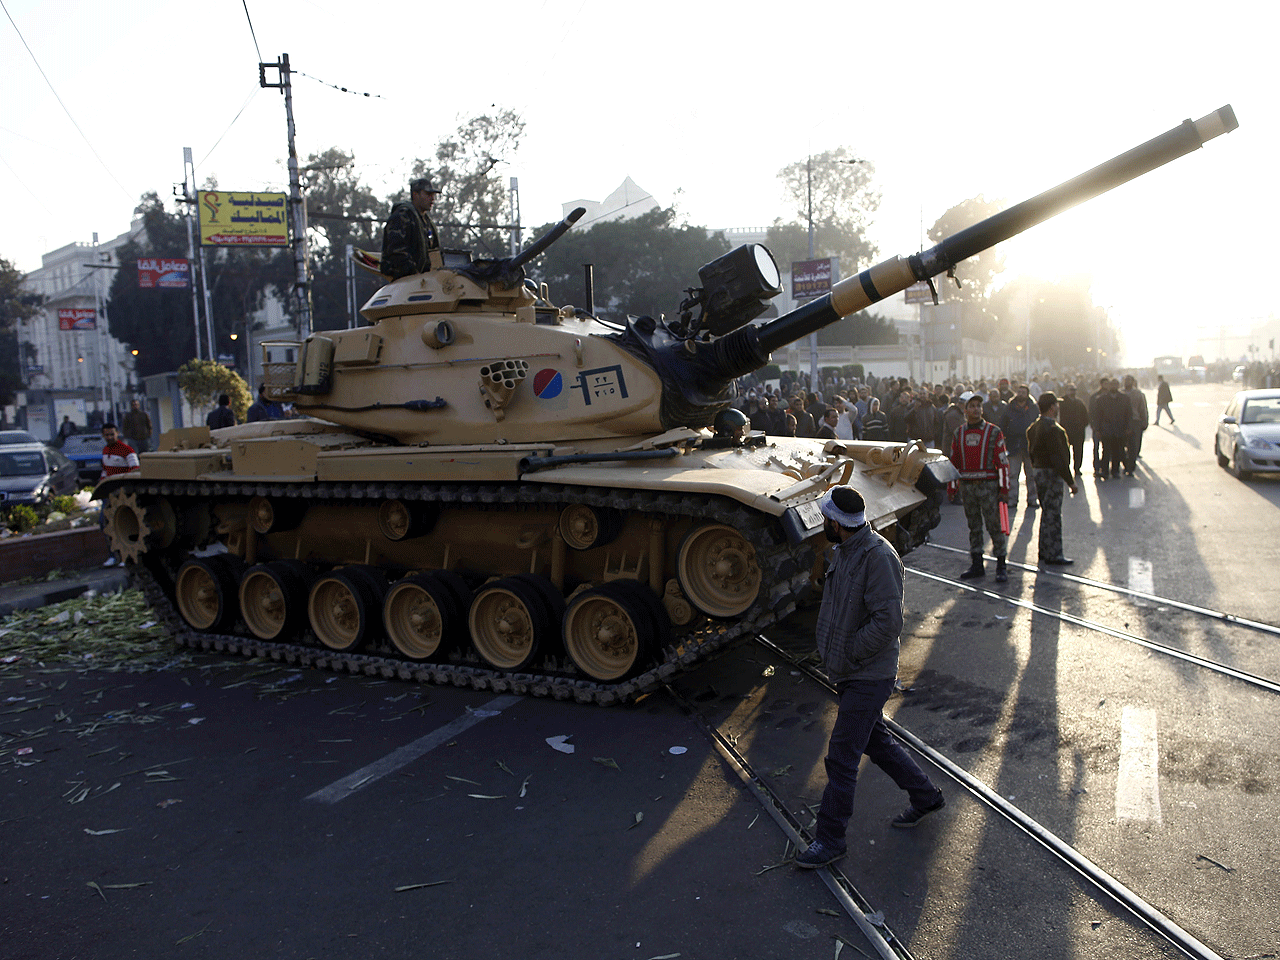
(483, 491)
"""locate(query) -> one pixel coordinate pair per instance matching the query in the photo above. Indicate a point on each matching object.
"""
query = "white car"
(1238, 373)
(1248, 434)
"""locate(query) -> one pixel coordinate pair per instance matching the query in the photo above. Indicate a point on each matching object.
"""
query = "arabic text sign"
(163, 273)
(77, 319)
(243, 219)
(811, 278)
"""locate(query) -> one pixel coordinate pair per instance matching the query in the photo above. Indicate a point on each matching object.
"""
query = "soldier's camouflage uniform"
(406, 238)
(979, 455)
(1050, 453)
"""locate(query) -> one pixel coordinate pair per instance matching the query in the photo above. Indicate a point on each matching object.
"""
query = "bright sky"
(700, 103)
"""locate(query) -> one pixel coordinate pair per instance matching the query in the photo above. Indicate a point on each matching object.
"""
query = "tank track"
(789, 567)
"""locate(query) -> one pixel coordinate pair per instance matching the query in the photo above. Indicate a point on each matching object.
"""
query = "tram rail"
(1143, 911)
(1263, 683)
(1229, 618)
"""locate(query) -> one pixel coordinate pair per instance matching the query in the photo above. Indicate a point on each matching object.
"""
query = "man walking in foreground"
(859, 625)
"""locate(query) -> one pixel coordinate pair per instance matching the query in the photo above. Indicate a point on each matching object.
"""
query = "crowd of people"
(900, 409)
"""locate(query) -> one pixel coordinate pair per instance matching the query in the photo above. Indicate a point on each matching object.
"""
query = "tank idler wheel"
(273, 599)
(583, 527)
(612, 630)
(716, 568)
(426, 614)
(345, 607)
(511, 622)
(205, 592)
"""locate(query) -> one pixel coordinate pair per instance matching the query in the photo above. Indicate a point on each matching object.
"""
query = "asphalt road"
(228, 808)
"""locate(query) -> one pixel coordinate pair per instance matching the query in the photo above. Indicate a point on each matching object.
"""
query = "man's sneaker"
(909, 817)
(818, 855)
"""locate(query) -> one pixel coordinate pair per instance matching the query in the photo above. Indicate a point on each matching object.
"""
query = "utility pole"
(297, 211)
(188, 198)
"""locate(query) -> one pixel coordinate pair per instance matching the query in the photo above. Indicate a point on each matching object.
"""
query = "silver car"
(33, 473)
(1248, 435)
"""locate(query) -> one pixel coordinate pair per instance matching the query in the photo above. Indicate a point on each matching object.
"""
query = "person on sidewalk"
(1164, 397)
(1050, 453)
(117, 456)
(859, 626)
(978, 453)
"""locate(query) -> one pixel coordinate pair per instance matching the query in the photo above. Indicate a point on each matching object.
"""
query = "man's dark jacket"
(406, 238)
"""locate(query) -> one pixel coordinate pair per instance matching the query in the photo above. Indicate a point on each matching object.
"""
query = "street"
(215, 806)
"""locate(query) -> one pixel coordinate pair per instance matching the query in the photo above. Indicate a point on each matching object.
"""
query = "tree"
(978, 273)
(16, 306)
(158, 323)
(836, 187)
(642, 265)
(473, 194)
(858, 330)
(340, 210)
(1064, 319)
(201, 381)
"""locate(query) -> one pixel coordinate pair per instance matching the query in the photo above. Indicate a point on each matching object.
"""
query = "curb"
(28, 596)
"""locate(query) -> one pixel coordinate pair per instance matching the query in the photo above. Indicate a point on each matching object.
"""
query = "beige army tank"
(484, 493)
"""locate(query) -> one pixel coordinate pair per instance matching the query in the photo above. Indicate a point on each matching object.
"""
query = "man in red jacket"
(978, 452)
(117, 456)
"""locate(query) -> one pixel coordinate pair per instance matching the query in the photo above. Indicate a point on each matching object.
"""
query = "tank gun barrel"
(896, 274)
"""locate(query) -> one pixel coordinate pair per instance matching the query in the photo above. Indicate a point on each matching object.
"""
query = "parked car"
(85, 450)
(16, 436)
(1248, 435)
(1238, 373)
(33, 473)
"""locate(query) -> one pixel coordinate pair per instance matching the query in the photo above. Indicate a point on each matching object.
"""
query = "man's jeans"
(860, 729)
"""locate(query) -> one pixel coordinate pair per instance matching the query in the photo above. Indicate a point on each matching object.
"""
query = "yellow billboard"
(243, 219)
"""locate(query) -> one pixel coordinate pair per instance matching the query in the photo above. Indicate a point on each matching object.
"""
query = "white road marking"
(1201, 403)
(1141, 578)
(1137, 498)
(1138, 783)
(410, 752)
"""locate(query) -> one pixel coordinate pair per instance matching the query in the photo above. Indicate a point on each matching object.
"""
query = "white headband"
(829, 509)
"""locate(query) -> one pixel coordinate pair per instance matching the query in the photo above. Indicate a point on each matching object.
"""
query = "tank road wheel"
(426, 614)
(583, 527)
(345, 607)
(132, 527)
(273, 599)
(717, 571)
(613, 629)
(205, 592)
(511, 622)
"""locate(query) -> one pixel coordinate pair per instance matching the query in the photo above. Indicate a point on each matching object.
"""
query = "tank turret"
(469, 352)
(486, 490)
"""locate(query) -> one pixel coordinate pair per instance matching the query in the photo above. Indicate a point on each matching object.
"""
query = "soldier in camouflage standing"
(1050, 454)
(978, 452)
(409, 233)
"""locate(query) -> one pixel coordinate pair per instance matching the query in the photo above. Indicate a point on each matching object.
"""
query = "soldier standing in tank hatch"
(409, 233)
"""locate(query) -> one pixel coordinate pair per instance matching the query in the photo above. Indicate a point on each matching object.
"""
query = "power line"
(252, 93)
(63, 105)
(357, 93)
(251, 33)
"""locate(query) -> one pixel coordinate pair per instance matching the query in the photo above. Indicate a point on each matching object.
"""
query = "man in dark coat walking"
(859, 626)
(1164, 397)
